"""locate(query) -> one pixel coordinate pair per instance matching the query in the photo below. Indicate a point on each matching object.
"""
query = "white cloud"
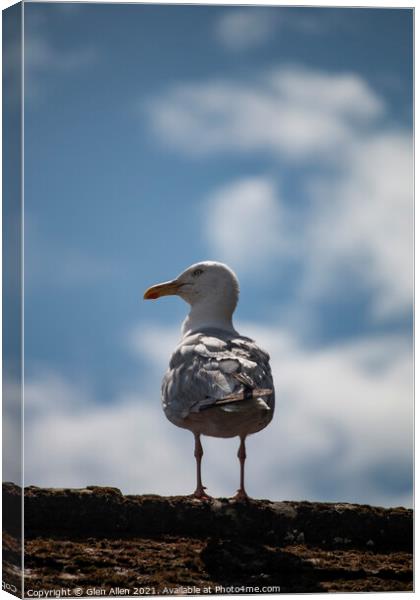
(49, 393)
(146, 342)
(343, 419)
(73, 441)
(357, 229)
(293, 113)
(363, 219)
(244, 223)
(346, 412)
(344, 94)
(244, 28)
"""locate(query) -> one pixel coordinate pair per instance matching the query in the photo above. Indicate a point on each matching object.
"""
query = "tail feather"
(245, 394)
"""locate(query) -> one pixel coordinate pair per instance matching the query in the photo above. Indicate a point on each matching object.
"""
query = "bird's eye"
(197, 272)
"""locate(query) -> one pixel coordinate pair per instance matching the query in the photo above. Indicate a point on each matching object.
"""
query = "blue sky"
(277, 140)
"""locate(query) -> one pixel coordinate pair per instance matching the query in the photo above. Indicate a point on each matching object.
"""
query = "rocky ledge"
(100, 542)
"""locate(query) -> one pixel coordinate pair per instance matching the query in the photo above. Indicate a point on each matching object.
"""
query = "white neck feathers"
(209, 314)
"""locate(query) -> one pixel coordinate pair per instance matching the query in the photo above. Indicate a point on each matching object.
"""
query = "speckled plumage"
(210, 366)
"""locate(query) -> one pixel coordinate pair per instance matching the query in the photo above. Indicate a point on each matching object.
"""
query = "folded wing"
(215, 369)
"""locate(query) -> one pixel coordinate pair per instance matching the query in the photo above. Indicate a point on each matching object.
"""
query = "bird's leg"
(241, 493)
(198, 453)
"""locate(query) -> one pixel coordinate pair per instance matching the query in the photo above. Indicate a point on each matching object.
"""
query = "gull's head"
(208, 282)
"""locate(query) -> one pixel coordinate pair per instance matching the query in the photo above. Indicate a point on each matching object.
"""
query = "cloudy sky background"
(277, 140)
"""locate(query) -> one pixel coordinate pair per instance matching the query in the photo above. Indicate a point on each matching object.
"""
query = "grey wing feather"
(214, 368)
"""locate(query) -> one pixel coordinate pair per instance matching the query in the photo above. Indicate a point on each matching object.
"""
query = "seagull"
(218, 382)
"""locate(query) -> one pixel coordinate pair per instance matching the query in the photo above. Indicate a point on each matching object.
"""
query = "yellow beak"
(169, 288)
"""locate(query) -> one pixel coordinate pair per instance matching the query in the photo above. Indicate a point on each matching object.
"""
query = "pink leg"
(241, 493)
(198, 453)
